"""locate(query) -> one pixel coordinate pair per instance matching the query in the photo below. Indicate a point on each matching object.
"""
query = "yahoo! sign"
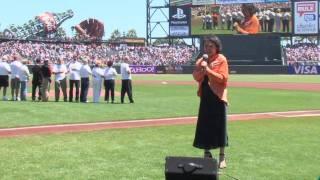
(143, 69)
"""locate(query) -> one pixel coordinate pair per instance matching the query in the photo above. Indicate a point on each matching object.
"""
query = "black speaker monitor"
(191, 168)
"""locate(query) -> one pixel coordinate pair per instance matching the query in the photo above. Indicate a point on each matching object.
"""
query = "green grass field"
(261, 149)
(265, 149)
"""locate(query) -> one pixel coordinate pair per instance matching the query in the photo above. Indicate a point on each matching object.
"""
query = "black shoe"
(207, 154)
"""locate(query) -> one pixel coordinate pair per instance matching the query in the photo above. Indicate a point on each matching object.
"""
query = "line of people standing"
(17, 68)
(79, 79)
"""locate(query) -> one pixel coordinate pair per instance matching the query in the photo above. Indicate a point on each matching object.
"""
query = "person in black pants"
(46, 72)
(126, 86)
(74, 78)
(109, 83)
(36, 80)
(85, 72)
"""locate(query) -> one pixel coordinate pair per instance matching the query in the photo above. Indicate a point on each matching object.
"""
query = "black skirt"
(211, 130)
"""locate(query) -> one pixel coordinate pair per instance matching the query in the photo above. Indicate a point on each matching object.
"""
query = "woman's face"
(210, 48)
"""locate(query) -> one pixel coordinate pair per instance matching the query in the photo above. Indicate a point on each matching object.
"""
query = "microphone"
(205, 57)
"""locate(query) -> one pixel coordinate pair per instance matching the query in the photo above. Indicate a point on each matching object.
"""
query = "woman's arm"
(218, 72)
(199, 71)
(239, 29)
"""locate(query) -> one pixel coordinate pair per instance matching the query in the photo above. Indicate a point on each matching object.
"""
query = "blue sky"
(116, 14)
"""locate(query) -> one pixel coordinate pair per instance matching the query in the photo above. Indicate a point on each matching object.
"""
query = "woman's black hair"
(250, 8)
(215, 40)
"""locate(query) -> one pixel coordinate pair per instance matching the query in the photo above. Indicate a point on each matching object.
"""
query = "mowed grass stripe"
(269, 149)
(157, 101)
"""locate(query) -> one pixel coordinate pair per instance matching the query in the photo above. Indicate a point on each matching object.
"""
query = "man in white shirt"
(74, 78)
(85, 72)
(24, 75)
(126, 86)
(229, 19)
(5, 70)
(97, 77)
(60, 71)
(15, 81)
(286, 20)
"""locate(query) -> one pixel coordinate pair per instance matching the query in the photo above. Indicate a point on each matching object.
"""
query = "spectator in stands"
(36, 80)
(110, 74)
(60, 70)
(126, 85)
(46, 80)
(5, 70)
(250, 25)
(24, 75)
(85, 72)
(74, 79)
(212, 75)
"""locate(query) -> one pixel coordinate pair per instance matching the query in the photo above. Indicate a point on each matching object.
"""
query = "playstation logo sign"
(179, 23)
(179, 15)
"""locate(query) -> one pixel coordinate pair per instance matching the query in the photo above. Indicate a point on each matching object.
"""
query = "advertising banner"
(306, 17)
(203, 2)
(180, 2)
(143, 69)
(269, 1)
(238, 1)
(179, 21)
(304, 69)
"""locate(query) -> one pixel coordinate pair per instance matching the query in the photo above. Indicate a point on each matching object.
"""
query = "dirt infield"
(67, 128)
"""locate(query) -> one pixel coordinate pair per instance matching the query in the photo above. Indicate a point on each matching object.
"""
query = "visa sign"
(304, 69)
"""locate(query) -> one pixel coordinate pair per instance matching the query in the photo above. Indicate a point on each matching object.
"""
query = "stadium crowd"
(143, 55)
(54, 63)
(302, 54)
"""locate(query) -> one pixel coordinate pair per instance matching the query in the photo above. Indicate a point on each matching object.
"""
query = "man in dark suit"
(36, 80)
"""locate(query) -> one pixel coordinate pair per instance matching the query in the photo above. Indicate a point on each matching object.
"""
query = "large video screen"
(274, 17)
